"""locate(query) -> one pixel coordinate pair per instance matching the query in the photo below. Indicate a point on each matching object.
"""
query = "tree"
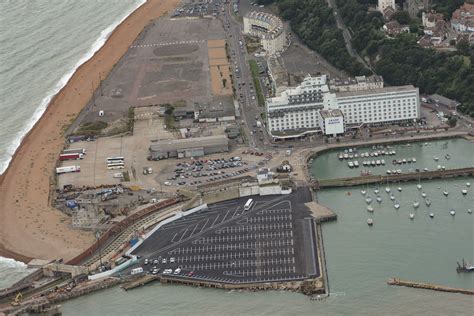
(463, 47)
(402, 17)
(452, 121)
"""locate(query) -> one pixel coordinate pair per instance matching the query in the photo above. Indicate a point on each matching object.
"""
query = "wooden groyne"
(428, 286)
(414, 176)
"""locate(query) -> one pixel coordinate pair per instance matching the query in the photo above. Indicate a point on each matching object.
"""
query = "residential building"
(383, 4)
(356, 84)
(462, 19)
(388, 13)
(394, 28)
(300, 109)
(379, 106)
(331, 122)
(269, 29)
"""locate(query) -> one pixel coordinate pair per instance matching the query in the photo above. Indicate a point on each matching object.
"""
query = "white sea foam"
(104, 35)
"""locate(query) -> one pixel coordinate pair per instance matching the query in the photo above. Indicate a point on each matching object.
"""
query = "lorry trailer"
(72, 156)
(68, 169)
(74, 151)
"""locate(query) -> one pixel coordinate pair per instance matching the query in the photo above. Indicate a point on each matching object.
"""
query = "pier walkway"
(423, 175)
(428, 286)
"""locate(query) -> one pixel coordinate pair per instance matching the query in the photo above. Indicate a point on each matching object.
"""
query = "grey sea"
(42, 42)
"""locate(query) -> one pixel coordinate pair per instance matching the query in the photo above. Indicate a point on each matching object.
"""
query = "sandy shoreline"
(29, 226)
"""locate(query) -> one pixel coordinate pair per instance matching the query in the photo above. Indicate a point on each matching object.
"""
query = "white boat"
(423, 194)
(447, 157)
(413, 159)
(370, 222)
(469, 211)
(392, 197)
(363, 192)
(399, 171)
(389, 172)
(399, 189)
(341, 156)
(428, 202)
(382, 162)
(377, 162)
(452, 212)
(373, 163)
(404, 160)
(425, 169)
(418, 186)
(387, 189)
(435, 158)
(416, 204)
(396, 206)
(350, 164)
(431, 215)
(376, 191)
(370, 208)
(439, 167)
(464, 191)
(356, 163)
(379, 199)
(368, 200)
(412, 216)
(445, 193)
(346, 156)
(468, 184)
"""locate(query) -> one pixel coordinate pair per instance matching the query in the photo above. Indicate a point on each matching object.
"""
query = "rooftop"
(330, 113)
(375, 91)
(185, 143)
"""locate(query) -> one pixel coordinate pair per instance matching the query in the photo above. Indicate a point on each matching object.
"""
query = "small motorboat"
(396, 206)
(356, 164)
(370, 222)
(468, 184)
(416, 204)
(376, 191)
(428, 202)
(464, 191)
(423, 194)
(370, 208)
(363, 192)
(379, 199)
(341, 156)
(350, 164)
(389, 172)
(435, 158)
(368, 200)
(431, 215)
(447, 157)
(399, 189)
(446, 193)
(469, 211)
(452, 212)
(392, 197)
(382, 162)
(387, 189)
(412, 216)
(418, 186)
(413, 159)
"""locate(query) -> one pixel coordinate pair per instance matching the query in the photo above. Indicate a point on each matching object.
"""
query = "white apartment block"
(383, 4)
(299, 108)
(268, 28)
(379, 106)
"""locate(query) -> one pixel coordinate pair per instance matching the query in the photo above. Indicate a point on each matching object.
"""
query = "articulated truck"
(68, 169)
(72, 156)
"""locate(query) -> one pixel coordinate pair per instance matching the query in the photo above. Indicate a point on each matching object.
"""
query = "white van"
(136, 271)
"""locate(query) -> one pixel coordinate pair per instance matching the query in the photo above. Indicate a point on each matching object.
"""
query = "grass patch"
(169, 118)
(91, 128)
(256, 82)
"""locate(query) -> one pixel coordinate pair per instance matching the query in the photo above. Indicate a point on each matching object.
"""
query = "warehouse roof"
(187, 143)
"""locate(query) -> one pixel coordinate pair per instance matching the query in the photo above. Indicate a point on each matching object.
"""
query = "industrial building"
(268, 28)
(221, 111)
(188, 147)
(361, 101)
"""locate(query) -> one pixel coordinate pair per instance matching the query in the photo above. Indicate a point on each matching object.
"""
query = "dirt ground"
(219, 68)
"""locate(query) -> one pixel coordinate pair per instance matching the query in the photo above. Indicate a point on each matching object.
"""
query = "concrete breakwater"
(425, 175)
(428, 286)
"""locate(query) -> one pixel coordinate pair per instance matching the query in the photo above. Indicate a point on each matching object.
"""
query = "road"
(248, 106)
(346, 34)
